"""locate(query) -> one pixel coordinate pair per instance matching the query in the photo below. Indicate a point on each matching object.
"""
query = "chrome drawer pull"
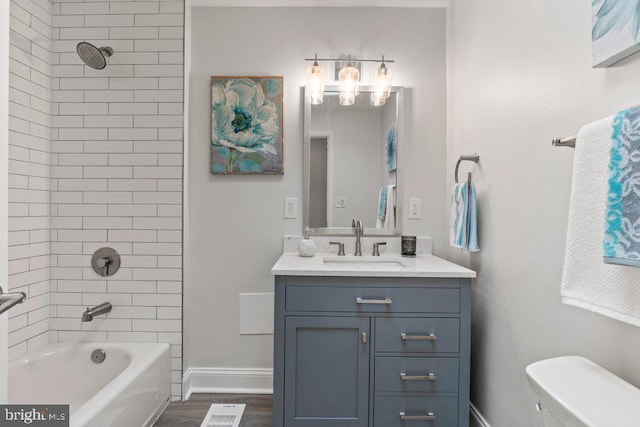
(429, 377)
(386, 301)
(430, 337)
(429, 417)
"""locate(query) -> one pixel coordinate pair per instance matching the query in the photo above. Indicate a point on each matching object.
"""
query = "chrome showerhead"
(92, 56)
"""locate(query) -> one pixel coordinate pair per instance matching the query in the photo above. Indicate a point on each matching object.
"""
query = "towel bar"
(564, 142)
(471, 158)
(9, 300)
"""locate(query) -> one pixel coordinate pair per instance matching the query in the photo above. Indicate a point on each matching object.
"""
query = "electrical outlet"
(290, 207)
(415, 208)
(341, 202)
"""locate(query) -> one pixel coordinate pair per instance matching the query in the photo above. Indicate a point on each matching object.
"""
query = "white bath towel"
(390, 218)
(458, 215)
(587, 282)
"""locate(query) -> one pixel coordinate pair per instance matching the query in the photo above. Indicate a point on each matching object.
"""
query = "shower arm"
(9, 300)
(106, 51)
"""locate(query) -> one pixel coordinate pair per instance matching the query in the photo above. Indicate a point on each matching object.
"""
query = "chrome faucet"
(357, 224)
(103, 308)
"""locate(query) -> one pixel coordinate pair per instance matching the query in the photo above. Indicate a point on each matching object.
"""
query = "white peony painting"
(616, 30)
(246, 125)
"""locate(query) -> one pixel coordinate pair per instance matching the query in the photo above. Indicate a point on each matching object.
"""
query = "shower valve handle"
(103, 263)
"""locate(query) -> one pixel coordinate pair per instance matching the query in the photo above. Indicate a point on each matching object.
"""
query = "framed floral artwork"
(615, 31)
(246, 125)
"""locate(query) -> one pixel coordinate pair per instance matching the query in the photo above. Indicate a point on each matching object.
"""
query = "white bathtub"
(130, 388)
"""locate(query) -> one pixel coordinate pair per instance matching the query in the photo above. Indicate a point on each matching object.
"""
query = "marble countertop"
(324, 264)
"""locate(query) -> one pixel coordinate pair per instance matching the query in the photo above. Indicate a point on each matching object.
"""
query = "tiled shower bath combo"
(96, 160)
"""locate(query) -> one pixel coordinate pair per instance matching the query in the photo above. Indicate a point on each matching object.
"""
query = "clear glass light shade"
(381, 86)
(348, 83)
(315, 83)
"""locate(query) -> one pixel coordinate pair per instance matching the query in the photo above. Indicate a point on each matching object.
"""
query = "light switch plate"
(415, 208)
(341, 202)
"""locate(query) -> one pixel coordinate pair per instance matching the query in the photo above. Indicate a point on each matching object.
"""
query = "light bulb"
(381, 86)
(315, 83)
(348, 82)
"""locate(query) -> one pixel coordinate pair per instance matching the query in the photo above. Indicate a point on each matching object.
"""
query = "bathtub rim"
(101, 399)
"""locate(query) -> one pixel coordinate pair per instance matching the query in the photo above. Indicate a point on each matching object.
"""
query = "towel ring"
(471, 158)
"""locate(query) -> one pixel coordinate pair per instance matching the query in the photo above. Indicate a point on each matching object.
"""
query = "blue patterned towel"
(622, 229)
(463, 232)
(382, 202)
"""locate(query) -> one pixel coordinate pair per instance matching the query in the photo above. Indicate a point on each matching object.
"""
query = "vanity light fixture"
(315, 82)
(348, 80)
(381, 85)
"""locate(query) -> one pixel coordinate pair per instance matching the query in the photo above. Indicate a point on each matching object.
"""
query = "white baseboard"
(477, 420)
(227, 380)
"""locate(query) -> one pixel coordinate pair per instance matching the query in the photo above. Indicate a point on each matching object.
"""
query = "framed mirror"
(352, 167)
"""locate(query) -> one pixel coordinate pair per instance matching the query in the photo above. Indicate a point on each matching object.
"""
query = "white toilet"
(575, 392)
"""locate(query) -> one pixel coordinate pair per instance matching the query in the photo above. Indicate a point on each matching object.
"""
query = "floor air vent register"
(224, 415)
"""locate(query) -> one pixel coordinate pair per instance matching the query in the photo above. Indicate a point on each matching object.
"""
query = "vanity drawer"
(417, 374)
(418, 335)
(419, 411)
(373, 299)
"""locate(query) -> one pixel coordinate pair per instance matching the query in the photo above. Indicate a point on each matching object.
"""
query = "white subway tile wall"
(29, 183)
(116, 174)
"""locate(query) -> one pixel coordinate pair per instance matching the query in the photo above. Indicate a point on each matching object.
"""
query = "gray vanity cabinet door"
(326, 371)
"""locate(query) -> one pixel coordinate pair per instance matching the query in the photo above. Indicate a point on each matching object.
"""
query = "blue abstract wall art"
(391, 148)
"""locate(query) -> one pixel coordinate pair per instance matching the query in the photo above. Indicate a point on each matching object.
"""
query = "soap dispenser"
(306, 246)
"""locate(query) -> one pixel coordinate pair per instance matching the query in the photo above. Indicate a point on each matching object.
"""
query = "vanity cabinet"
(371, 351)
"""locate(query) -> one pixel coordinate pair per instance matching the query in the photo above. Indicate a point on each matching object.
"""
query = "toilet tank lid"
(577, 388)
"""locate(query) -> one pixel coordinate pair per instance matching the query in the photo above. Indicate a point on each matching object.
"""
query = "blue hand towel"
(472, 234)
(622, 229)
(382, 203)
(463, 232)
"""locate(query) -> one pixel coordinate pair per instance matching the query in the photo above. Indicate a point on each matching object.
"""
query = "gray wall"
(236, 222)
(520, 74)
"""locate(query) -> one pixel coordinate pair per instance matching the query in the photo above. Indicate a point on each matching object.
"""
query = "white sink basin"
(369, 262)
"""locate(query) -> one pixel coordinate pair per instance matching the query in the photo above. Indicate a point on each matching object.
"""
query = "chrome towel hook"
(471, 158)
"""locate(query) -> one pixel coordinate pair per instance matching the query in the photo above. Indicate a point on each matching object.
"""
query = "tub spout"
(103, 308)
